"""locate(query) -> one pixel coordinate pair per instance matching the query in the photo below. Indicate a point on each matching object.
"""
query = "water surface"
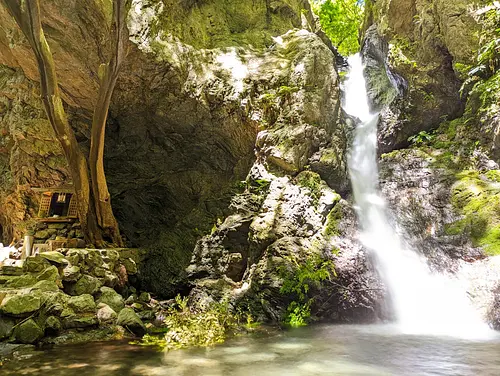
(318, 350)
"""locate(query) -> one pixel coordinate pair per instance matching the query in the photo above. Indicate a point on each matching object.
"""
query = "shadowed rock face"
(177, 138)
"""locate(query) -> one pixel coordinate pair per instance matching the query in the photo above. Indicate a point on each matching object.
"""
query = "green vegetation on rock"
(299, 283)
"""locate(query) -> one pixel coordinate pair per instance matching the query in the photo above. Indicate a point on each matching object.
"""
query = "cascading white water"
(424, 303)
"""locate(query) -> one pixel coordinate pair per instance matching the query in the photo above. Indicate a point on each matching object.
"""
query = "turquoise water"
(318, 350)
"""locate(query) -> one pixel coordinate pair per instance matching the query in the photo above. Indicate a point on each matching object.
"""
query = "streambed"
(316, 350)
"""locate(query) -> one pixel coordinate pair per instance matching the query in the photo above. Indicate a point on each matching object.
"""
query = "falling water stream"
(424, 303)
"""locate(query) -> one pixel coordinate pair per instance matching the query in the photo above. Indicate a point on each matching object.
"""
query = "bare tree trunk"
(108, 74)
(94, 210)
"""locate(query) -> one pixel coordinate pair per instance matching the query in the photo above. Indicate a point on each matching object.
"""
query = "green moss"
(311, 181)
(332, 222)
(477, 197)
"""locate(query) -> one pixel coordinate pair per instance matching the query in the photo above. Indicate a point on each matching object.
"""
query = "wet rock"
(130, 321)
(20, 305)
(111, 298)
(82, 304)
(28, 332)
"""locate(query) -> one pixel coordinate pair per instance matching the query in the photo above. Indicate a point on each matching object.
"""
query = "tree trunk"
(94, 210)
(108, 74)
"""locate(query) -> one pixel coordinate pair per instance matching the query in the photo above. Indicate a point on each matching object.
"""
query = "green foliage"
(187, 327)
(299, 283)
(341, 20)
(420, 138)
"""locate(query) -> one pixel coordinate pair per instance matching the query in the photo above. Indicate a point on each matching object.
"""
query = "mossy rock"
(129, 320)
(26, 280)
(71, 273)
(80, 321)
(56, 303)
(52, 325)
(49, 274)
(28, 332)
(82, 303)
(20, 305)
(111, 298)
(6, 327)
(85, 285)
(130, 266)
(54, 257)
(35, 264)
(46, 286)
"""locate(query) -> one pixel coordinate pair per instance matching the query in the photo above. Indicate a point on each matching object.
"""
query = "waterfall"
(424, 303)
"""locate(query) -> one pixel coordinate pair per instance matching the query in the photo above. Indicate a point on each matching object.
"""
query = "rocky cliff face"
(425, 46)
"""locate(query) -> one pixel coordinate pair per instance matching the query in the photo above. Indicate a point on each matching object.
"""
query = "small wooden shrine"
(57, 204)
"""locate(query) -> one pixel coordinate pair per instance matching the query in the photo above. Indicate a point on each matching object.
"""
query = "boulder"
(22, 281)
(28, 332)
(54, 257)
(56, 303)
(46, 286)
(85, 285)
(49, 274)
(80, 321)
(82, 303)
(6, 327)
(52, 325)
(111, 298)
(130, 266)
(20, 305)
(35, 264)
(129, 320)
(106, 314)
(71, 273)
(145, 297)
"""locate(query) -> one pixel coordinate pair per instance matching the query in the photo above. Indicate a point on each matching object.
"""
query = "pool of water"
(317, 350)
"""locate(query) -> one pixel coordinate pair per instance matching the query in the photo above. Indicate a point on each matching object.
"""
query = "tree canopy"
(341, 21)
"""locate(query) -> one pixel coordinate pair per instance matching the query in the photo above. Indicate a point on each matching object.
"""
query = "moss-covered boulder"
(7, 326)
(35, 264)
(53, 257)
(85, 285)
(82, 303)
(49, 274)
(75, 321)
(28, 332)
(71, 273)
(52, 325)
(46, 286)
(129, 320)
(111, 298)
(20, 305)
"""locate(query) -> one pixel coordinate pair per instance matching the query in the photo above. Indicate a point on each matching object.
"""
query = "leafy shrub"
(299, 283)
(187, 327)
